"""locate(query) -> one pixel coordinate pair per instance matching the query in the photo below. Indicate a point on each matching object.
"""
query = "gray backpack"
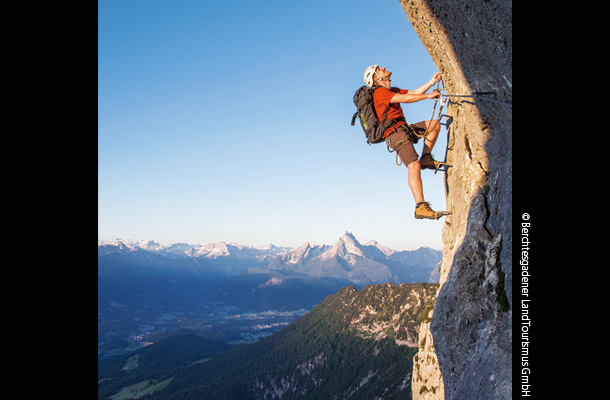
(365, 110)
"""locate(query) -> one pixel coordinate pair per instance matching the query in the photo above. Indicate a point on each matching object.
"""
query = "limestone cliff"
(465, 349)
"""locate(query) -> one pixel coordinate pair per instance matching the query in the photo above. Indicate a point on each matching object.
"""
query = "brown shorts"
(406, 151)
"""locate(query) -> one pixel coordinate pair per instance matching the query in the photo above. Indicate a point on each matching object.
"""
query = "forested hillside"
(331, 352)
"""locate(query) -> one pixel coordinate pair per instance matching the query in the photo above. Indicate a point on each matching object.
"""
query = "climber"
(401, 136)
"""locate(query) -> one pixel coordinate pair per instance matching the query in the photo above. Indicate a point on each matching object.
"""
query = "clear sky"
(230, 121)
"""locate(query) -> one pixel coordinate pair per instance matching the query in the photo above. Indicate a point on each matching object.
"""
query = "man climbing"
(401, 136)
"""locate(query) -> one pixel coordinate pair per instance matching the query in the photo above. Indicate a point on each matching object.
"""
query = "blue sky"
(230, 121)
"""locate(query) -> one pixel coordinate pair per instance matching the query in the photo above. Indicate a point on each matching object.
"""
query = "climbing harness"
(410, 131)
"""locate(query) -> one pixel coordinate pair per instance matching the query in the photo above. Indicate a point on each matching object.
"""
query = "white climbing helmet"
(368, 75)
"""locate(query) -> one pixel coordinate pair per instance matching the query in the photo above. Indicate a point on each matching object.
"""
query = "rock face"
(469, 337)
(387, 310)
(426, 380)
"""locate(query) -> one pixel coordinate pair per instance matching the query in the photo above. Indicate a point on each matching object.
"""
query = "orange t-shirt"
(381, 98)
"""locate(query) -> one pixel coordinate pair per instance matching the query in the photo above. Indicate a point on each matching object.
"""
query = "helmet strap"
(380, 79)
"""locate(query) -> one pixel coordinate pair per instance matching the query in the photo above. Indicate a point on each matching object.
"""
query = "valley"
(225, 323)
(355, 343)
(232, 293)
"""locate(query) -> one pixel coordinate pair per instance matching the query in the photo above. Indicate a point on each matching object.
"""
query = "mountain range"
(145, 287)
(346, 259)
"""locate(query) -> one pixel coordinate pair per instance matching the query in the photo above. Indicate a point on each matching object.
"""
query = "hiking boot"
(423, 210)
(427, 161)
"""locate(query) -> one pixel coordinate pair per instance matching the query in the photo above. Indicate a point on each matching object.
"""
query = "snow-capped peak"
(373, 243)
(212, 250)
(347, 245)
(131, 244)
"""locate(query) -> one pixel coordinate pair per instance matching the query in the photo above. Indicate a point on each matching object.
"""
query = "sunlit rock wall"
(470, 41)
